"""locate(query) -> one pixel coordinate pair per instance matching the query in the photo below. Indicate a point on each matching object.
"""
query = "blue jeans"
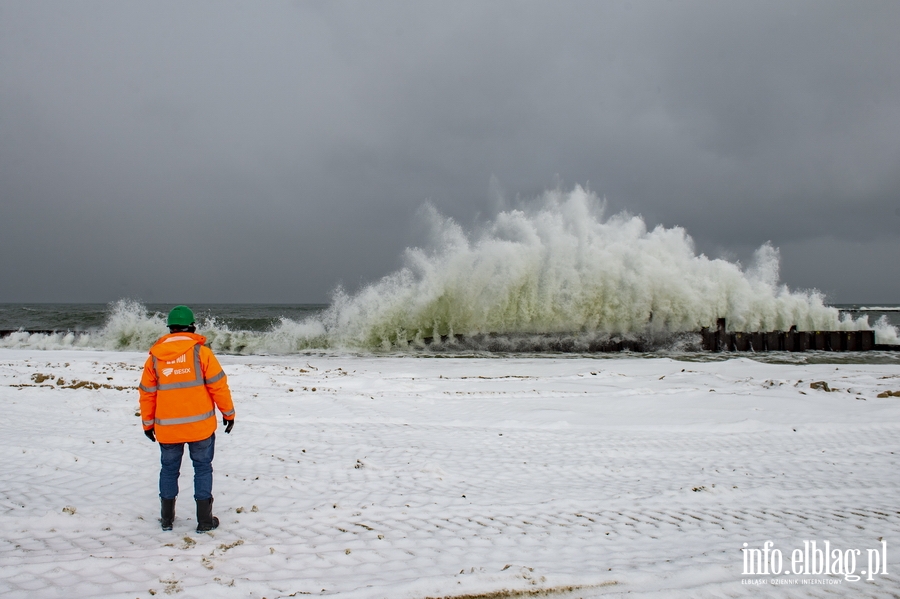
(202, 457)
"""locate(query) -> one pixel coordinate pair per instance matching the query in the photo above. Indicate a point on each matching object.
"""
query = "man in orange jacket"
(180, 388)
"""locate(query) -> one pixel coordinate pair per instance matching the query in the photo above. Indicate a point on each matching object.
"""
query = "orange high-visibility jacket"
(182, 381)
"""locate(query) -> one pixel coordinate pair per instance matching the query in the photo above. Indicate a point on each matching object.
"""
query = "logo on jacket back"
(169, 371)
(179, 360)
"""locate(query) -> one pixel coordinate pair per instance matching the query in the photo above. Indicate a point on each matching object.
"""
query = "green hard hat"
(181, 316)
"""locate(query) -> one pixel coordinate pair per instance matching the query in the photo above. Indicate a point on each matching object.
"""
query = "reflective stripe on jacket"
(181, 387)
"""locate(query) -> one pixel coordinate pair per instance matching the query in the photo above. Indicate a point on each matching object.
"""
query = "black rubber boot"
(205, 520)
(167, 513)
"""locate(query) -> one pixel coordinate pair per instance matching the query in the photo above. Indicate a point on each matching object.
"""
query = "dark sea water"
(92, 317)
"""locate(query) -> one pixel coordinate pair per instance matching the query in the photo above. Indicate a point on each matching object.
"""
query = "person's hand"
(150, 435)
(228, 424)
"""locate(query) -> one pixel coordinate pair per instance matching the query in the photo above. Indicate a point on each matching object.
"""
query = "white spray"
(563, 268)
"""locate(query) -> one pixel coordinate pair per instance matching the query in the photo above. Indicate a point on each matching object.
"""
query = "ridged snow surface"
(406, 478)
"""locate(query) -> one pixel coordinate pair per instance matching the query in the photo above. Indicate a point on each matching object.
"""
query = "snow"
(405, 477)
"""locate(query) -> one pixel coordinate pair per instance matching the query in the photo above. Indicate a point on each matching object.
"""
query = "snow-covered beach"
(410, 477)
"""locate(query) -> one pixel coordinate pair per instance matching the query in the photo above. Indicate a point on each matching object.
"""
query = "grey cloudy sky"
(265, 152)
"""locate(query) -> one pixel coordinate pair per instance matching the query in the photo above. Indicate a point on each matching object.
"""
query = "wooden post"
(817, 340)
(836, 341)
(790, 340)
(722, 341)
(757, 341)
(867, 341)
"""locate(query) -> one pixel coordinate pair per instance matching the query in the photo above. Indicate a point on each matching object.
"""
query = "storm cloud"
(246, 152)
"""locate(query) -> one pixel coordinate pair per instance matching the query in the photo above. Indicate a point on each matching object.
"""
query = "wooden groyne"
(719, 340)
